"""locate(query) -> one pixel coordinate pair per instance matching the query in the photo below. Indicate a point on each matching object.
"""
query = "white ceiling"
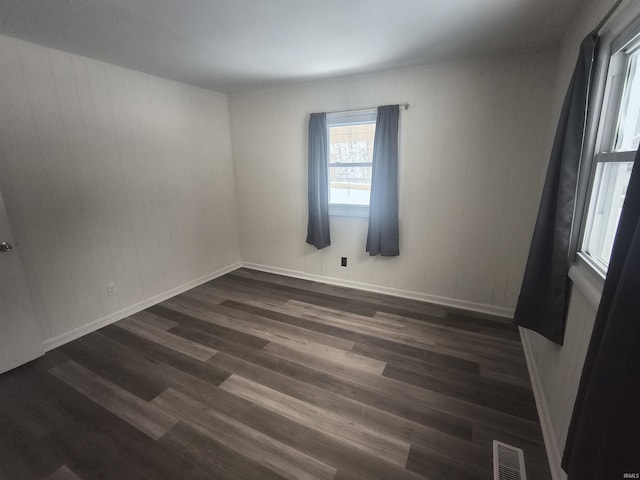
(238, 45)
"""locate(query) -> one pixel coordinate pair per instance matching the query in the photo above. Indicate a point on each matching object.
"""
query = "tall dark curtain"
(383, 234)
(604, 434)
(543, 297)
(318, 226)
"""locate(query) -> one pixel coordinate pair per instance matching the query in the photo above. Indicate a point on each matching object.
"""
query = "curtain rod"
(607, 16)
(406, 106)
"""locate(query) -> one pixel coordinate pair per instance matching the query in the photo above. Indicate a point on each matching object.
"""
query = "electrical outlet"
(343, 262)
(111, 289)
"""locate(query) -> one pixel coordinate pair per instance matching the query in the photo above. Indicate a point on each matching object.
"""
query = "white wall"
(110, 176)
(556, 371)
(471, 148)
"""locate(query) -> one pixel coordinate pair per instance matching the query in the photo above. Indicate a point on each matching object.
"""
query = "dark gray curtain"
(383, 234)
(318, 226)
(604, 435)
(543, 296)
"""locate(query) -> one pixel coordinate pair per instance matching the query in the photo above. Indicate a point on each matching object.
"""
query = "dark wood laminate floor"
(258, 376)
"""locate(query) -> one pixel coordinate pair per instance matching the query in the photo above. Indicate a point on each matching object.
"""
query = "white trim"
(551, 446)
(341, 210)
(424, 297)
(352, 117)
(78, 332)
(584, 282)
(94, 325)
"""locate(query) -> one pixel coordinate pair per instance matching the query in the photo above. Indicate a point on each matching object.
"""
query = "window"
(350, 162)
(618, 139)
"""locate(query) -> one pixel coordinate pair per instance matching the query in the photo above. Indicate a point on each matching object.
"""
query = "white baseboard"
(551, 446)
(449, 302)
(78, 332)
(54, 342)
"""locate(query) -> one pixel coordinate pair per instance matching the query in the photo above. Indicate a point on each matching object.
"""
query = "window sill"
(349, 210)
(587, 280)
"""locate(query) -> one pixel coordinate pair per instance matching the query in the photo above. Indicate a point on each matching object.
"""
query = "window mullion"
(615, 157)
(351, 164)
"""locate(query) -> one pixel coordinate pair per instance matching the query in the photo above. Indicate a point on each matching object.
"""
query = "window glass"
(350, 185)
(628, 128)
(351, 144)
(350, 161)
(609, 193)
(615, 157)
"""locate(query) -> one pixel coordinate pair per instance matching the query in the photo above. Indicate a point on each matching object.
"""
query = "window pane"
(628, 131)
(349, 185)
(351, 143)
(606, 205)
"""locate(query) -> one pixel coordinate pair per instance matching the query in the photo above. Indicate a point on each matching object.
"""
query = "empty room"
(319, 239)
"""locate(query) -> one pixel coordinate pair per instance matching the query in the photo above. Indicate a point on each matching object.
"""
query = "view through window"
(351, 137)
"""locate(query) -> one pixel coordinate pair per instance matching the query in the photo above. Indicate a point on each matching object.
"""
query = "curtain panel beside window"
(543, 297)
(318, 226)
(383, 234)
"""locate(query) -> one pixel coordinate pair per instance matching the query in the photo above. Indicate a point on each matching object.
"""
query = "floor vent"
(508, 462)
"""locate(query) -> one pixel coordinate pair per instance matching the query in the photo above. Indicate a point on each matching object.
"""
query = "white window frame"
(339, 119)
(621, 40)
